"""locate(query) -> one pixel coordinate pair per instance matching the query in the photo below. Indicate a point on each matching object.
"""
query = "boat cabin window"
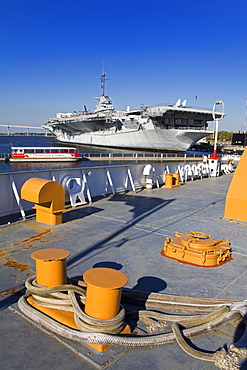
(47, 150)
(54, 151)
(63, 150)
(71, 150)
(39, 151)
(28, 150)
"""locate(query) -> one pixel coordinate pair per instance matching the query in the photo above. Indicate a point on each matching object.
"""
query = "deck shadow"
(140, 213)
(150, 284)
(16, 217)
(12, 296)
(79, 213)
(108, 264)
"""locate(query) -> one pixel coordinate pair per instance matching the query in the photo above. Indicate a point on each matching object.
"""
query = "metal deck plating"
(126, 232)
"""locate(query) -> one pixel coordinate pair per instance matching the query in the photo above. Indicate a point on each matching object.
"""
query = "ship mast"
(103, 79)
(104, 101)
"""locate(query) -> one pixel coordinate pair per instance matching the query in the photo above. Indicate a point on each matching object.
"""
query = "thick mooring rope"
(213, 313)
(225, 360)
(56, 298)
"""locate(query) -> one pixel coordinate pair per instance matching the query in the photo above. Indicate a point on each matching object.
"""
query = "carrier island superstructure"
(166, 128)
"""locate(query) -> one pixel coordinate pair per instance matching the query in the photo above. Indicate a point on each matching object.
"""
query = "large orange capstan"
(197, 248)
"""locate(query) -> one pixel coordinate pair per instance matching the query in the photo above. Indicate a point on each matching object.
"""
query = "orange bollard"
(50, 272)
(171, 180)
(104, 288)
(51, 266)
(168, 180)
(176, 178)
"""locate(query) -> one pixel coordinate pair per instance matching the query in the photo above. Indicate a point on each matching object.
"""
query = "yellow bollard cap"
(106, 278)
(51, 254)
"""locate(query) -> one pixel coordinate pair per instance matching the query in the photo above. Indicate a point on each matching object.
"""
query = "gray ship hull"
(169, 140)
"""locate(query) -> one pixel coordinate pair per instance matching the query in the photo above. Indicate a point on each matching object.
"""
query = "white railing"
(141, 155)
(97, 181)
(83, 184)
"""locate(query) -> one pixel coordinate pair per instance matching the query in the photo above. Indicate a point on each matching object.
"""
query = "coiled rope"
(213, 313)
(56, 298)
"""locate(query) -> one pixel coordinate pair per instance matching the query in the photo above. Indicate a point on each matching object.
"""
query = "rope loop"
(71, 298)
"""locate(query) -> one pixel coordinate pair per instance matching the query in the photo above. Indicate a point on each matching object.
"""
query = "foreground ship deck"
(125, 232)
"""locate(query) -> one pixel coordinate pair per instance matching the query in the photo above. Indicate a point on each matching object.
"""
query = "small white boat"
(43, 154)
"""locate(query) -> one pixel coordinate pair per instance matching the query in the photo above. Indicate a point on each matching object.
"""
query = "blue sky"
(154, 51)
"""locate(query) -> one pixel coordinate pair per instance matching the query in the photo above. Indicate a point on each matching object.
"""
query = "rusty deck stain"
(37, 237)
(16, 265)
(29, 241)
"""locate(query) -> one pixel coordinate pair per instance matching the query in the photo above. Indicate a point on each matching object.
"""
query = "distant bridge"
(27, 127)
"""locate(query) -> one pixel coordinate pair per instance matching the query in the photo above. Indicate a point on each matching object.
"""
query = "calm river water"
(6, 141)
